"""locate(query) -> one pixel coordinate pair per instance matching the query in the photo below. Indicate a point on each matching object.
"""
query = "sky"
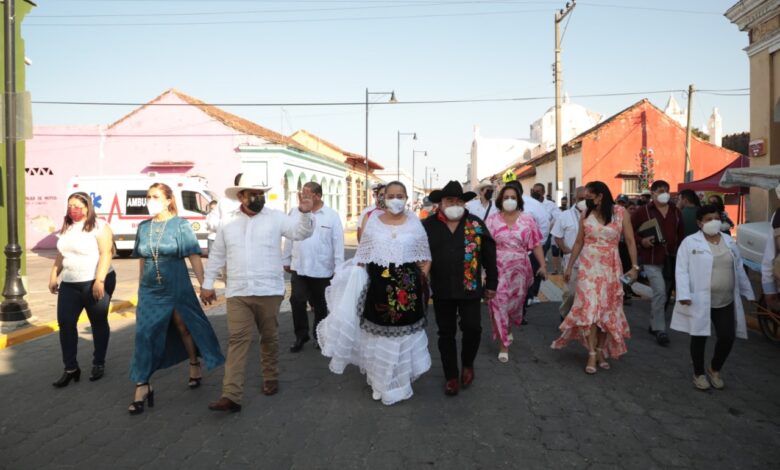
(329, 51)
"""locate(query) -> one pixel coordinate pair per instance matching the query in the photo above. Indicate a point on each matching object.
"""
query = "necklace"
(155, 248)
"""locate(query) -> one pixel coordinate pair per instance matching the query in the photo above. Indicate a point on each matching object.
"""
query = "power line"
(382, 103)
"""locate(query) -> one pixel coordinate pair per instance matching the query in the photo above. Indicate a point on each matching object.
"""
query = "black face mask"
(489, 194)
(537, 196)
(256, 203)
(590, 203)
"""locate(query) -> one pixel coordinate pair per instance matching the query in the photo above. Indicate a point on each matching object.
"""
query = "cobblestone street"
(538, 411)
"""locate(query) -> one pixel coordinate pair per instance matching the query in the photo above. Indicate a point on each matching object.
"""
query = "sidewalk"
(537, 411)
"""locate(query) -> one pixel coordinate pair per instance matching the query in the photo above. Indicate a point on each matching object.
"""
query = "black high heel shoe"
(97, 373)
(137, 407)
(66, 377)
(195, 381)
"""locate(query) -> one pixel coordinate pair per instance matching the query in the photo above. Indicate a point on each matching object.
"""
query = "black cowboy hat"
(452, 189)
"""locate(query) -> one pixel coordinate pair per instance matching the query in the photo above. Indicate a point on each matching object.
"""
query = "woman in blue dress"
(170, 323)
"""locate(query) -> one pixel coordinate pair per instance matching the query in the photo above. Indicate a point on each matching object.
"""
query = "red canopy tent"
(712, 184)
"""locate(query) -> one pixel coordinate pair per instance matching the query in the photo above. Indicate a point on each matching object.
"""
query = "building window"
(572, 189)
(549, 189)
(631, 185)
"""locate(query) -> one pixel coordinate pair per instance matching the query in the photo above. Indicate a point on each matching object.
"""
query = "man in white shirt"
(543, 219)
(379, 203)
(249, 244)
(311, 263)
(482, 206)
(565, 234)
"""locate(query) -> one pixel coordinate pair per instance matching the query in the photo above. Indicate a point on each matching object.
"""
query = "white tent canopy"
(767, 177)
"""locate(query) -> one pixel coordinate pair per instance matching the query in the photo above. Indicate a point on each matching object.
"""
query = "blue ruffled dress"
(158, 343)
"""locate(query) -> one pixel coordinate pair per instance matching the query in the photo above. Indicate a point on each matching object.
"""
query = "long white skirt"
(390, 364)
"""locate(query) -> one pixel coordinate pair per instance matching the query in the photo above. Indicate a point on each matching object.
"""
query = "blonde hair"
(168, 192)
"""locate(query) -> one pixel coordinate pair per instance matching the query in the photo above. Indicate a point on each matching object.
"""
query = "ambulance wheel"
(770, 327)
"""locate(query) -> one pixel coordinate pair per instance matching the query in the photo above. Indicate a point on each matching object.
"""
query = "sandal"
(590, 370)
(601, 360)
(194, 382)
(137, 407)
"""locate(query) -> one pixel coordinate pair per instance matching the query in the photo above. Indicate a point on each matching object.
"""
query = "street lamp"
(391, 100)
(428, 184)
(398, 149)
(14, 307)
(415, 152)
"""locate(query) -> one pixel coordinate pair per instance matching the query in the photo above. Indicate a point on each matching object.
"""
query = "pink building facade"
(177, 134)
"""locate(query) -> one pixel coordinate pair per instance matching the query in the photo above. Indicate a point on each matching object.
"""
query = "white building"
(490, 156)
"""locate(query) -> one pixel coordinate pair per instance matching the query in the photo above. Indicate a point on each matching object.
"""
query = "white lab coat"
(693, 274)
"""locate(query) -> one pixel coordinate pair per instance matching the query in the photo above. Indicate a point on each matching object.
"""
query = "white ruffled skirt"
(390, 364)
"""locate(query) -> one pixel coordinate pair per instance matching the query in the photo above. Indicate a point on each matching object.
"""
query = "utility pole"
(559, 16)
(14, 308)
(688, 172)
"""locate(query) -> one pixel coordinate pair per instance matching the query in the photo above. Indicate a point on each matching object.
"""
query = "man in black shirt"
(461, 248)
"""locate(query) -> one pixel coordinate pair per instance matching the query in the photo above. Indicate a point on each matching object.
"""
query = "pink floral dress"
(599, 296)
(514, 270)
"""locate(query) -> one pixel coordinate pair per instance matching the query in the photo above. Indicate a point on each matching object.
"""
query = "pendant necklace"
(155, 248)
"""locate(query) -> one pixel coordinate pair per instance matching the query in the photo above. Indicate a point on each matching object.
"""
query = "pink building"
(174, 133)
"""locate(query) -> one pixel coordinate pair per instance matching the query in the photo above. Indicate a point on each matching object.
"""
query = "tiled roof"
(372, 164)
(238, 123)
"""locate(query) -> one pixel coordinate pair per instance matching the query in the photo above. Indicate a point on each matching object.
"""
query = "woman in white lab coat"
(710, 279)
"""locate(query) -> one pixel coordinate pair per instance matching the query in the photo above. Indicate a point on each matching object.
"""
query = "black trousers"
(723, 321)
(74, 297)
(309, 290)
(447, 313)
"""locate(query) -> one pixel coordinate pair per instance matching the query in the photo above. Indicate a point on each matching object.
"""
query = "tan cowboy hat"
(247, 181)
(485, 184)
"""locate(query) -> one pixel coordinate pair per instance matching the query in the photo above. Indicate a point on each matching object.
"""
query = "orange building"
(627, 151)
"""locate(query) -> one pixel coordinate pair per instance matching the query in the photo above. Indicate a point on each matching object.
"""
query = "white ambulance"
(121, 201)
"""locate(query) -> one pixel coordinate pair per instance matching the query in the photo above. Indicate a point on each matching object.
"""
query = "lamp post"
(391, 100)
(398, 149)
(415, 152)
(14, 307)
(429, 179)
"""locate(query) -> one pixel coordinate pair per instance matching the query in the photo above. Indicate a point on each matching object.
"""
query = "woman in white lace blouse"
(386, 284)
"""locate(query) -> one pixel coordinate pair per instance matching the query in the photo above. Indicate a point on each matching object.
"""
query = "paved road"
(538, 411)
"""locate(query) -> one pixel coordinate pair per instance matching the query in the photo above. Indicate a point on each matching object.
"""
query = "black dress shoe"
(97, 373)
(66, 377)
(662, 338)
(298, 344)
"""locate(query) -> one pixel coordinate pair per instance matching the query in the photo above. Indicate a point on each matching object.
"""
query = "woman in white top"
(86, 282)
(710, 279)
(385, 283)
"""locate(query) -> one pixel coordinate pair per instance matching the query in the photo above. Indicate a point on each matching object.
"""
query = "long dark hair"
(90, 220)
(607, 203)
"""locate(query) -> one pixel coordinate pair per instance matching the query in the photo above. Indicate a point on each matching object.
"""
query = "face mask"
(724, 227)
(582, 205)
(154, 206)
(381, 201)
(76, 214)
(256, 203)
(590, 203)
(454, 212)
(396, 206)
(663, 198)
(509, 205)
(777, 191)
(489, 194)
(711, 228)
(537, 196)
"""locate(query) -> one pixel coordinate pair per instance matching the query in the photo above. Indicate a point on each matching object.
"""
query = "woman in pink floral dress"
(596, 319)
(515, 233)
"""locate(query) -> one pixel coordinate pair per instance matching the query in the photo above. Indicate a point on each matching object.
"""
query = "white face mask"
(454, 212)
(582, 205)
(711, 228)
(395, 206)
(725, 227)
(509, 205)
(777, 191)
(663, 198)
(154, 206)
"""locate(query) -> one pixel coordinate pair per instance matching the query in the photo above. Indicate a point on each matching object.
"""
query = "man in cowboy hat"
(483, 205)
(248, 243)
(456, 280)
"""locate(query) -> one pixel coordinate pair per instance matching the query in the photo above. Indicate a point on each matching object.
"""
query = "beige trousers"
(244, 314)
